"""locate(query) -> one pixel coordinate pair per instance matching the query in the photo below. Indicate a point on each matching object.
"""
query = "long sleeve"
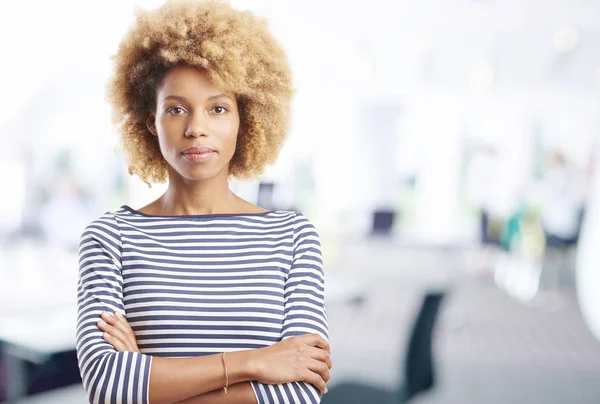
(108, 376)
(304, 311)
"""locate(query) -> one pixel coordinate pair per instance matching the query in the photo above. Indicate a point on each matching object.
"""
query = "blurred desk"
(341, 289)
(38, 287)
(370, 340)
(373, 262)
(36, 276)
(33, 336)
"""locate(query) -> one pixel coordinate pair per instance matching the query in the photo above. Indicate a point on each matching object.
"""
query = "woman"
(200, 296)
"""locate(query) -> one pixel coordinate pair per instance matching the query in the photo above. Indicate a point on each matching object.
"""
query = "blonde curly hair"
(238, 53)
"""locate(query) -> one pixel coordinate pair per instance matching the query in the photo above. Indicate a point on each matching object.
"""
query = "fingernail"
(106, 335)
(118, 314)
(326, 390)
(102, 323)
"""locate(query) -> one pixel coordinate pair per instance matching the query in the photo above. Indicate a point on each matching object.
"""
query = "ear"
(151, 123)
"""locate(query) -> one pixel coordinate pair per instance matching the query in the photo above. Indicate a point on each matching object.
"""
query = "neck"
(185, 197)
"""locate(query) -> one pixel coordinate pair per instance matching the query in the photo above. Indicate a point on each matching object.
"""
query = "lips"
(198, 154)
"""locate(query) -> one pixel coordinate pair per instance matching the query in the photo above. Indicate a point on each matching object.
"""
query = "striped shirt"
(192, 286)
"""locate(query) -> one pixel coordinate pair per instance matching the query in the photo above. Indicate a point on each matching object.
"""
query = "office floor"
(507, 352)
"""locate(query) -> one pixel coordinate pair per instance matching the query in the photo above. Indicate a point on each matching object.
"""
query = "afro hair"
(238, 53)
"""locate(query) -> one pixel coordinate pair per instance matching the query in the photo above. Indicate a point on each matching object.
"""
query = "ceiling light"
(482, 77)
(565, 39)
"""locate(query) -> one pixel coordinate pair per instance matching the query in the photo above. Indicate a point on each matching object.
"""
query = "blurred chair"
(33, 361)
(418, 367)
(383, 222)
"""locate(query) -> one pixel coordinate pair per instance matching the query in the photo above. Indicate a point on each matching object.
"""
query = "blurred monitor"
(383, 221)
(266, 190)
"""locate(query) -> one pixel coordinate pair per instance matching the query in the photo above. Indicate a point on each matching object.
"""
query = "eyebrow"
(212, 97)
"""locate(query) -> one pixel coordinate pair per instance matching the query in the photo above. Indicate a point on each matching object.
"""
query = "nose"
(197, 125)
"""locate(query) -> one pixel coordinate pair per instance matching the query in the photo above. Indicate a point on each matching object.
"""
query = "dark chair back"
(419, 366)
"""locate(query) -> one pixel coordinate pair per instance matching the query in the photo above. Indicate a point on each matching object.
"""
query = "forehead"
(187, 81)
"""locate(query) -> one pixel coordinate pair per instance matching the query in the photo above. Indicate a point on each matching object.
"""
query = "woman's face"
(196, 124)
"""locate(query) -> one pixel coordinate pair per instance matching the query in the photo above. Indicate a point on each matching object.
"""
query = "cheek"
(168, 132)
(168, 148)
(230, 134)
(234, 134)
(163, 144)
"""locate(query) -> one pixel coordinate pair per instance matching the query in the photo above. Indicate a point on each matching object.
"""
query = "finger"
(321, 368)
(316, 380)
(321, 355)
(120, 317)
(115, 332)
(120, 323)
(117, 321)
(118, 345)
(319, 341)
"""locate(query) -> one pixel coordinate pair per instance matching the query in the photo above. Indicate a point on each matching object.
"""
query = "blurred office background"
(444, 149)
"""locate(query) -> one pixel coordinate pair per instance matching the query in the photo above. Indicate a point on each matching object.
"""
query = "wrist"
(241, 366)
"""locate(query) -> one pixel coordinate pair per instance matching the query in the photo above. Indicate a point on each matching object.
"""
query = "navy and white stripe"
(196, 285)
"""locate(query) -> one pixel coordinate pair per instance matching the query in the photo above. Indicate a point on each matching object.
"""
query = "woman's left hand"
(117, 332)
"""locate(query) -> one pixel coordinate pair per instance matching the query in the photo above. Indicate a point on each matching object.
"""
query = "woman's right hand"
(303, 358)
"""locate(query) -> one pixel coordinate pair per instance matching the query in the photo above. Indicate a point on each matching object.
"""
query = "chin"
(199, 174)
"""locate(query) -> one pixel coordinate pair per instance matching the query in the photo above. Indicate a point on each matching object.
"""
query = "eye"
(176, 110)
(219, 110)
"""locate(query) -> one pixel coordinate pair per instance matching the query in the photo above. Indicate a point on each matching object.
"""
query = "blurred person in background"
(562, 194)
(201, 296)
(481, 178)
(561, 198)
